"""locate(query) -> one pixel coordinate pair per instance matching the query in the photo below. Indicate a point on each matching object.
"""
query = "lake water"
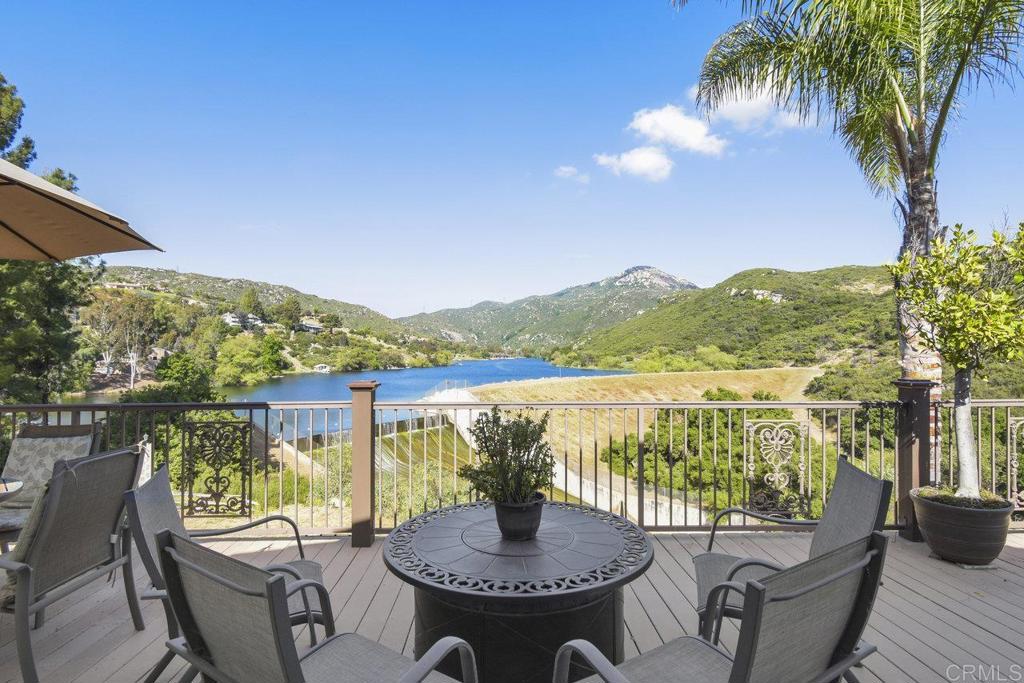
(408, 384)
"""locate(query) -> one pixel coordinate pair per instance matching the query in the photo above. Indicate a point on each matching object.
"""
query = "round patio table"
(517, 602)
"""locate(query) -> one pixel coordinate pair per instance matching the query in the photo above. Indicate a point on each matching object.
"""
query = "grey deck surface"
(929, 615)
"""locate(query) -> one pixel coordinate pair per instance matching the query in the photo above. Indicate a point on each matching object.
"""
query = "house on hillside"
(310, 325)
(232, 319)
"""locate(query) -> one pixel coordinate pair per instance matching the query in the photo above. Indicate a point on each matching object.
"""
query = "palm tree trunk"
(968, 485)
(920, 226)
(917, 361)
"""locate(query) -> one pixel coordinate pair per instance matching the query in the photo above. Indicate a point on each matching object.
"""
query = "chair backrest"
(37, 447)
(151, 509)
(799, 622)
(234, 616)
(77, 522)
(857, 505)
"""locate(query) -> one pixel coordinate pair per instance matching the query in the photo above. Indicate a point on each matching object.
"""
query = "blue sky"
(412, 156)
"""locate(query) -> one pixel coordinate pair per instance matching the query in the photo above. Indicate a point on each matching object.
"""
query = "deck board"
(929, 614)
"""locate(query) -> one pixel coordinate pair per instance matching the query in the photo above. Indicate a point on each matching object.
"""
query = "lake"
(407, 384)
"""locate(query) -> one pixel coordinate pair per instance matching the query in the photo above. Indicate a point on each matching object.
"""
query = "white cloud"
(755, 111)
(650, 163)
(672, 126)
(572, 173)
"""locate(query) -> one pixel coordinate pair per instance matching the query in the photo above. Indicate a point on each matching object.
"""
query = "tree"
(288, 312)
(249, 303)
(38, 340)
(970, 298)
(245, 359)
(890, 74)
(136, 328)
(330, 321)
(102, 324)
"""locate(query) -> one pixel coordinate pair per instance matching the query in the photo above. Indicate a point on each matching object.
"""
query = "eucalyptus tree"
(890, 75)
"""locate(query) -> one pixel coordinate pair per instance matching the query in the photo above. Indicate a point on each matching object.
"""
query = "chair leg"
(23, 636)
(40, 619)
(189, 675)
(155, 672)
(129, 584)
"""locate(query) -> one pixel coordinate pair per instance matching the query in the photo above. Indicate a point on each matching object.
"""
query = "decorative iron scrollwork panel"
(776, 468)
(215, 452)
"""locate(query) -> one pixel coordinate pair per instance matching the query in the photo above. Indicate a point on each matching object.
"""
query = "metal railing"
(294, 458)
(665, 465)
(999, 435)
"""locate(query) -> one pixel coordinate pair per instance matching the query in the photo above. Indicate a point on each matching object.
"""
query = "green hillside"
(220, 290)
(550, 320)
(765, 318)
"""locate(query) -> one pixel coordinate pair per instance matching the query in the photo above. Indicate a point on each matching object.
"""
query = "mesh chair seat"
(689, 659)
(713, 568)
(351, 658)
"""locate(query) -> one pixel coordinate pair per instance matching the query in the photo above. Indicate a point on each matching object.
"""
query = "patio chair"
(857, 505)
(799, 625)
(74, 535)
(237, 627)
(33, 452)
(151, 509)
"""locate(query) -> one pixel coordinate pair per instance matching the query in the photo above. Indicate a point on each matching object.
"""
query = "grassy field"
(788, 383)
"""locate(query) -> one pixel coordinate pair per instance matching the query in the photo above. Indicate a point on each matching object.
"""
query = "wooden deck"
(930, 615)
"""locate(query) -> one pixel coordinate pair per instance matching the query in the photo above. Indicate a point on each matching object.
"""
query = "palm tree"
(890, 74)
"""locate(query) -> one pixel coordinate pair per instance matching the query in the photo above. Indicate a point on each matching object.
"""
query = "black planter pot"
(964, 535)
(520, 521)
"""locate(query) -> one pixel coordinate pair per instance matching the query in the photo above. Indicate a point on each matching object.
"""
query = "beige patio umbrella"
(42, 222)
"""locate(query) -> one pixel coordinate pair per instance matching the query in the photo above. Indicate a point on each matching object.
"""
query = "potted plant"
(971, 299)
(515, 462)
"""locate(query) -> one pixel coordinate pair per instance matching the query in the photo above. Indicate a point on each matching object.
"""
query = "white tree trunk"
(967, 455)
(133, 363)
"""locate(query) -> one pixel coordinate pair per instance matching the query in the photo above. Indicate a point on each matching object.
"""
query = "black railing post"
(913, 450)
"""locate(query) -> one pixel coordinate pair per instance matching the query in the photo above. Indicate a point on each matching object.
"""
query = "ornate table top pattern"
(459, 550)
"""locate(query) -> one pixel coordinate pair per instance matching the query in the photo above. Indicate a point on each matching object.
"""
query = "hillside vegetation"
(549, 320)
(763, 318)
(220, 290)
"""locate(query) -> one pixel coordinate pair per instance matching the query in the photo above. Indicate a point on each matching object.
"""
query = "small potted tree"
(971, 298)
(515, 463)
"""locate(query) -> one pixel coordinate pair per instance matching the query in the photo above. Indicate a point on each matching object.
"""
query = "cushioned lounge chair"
(33, 452)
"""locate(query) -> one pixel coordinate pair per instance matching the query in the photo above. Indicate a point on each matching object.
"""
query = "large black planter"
(520, 521)
(964, 535)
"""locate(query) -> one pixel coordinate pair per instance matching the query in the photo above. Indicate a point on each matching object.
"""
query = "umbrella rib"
(28, 241)
(52, 198)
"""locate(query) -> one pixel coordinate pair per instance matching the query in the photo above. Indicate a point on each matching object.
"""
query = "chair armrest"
(752, 562)
(592, 656)
(250, 525)
(18, 568)
(713, 614)
(432, 657)
(279, 568)
(325, 601)
(755, 515)
(841, 667)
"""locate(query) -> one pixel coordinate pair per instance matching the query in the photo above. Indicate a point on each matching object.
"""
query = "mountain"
(219, 290)
(550, 320)
(767, 317)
